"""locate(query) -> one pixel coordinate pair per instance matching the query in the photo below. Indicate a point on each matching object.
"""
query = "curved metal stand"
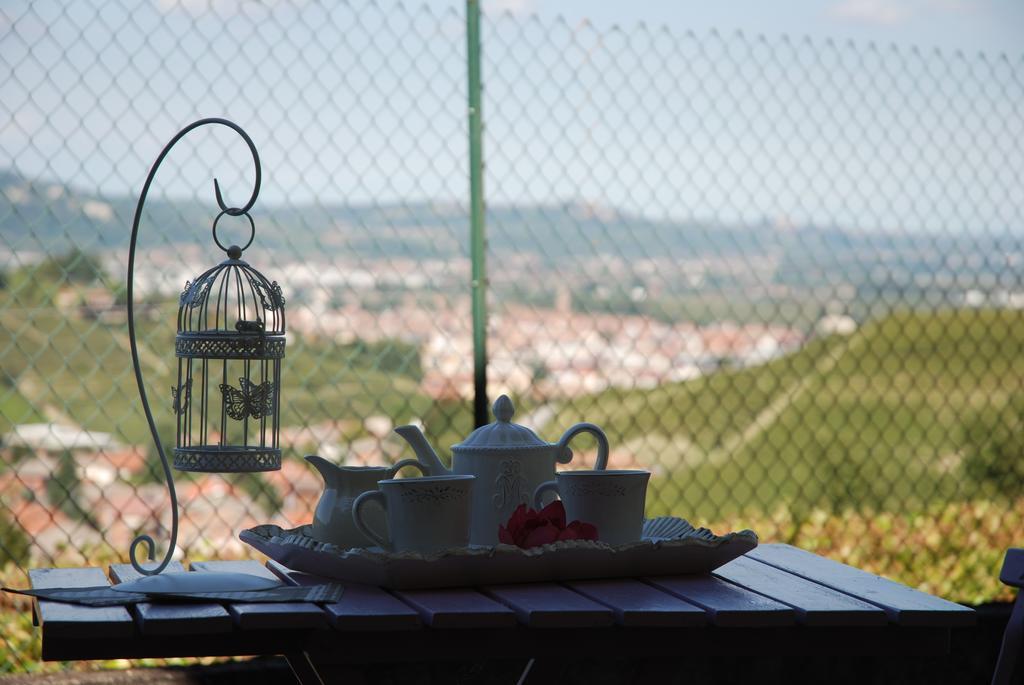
(233, 211)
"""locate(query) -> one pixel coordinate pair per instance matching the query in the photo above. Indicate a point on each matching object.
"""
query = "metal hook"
(236, 211)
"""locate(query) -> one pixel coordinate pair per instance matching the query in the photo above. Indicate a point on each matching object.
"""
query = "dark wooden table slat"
(362, 607)
(457, 608)
(548, 605)
(814, 604)
(904, 605)
(807, 603)
(60, 620)
(637, 604)
(171, 619)
(726, 604)
(254, 616)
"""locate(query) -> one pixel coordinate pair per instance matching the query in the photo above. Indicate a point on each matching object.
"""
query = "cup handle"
(541, 489)
(564, 454)
(408, 462)
(369, 495)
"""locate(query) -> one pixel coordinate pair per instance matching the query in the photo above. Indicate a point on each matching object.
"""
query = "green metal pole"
(478, 241)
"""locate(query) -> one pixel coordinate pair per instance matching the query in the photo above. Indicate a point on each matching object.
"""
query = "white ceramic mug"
(423, 514)
(613, 501)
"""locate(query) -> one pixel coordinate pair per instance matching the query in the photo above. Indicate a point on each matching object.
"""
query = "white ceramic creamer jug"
(332, 520)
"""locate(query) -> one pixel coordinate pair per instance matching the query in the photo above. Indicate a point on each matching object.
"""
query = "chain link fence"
(783, 274)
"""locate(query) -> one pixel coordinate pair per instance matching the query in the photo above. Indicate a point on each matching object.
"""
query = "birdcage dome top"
(228, 306)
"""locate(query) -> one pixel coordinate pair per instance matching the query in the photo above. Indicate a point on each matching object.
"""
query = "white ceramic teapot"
(509, 462)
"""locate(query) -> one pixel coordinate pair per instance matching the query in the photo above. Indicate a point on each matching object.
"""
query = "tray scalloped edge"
(670, 545)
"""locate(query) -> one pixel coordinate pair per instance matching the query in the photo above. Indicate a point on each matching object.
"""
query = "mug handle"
(369, 495)
(541, 489)
(408, 462)
(564, 454)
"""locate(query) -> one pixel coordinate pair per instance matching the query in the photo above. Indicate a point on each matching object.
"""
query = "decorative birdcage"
(229, 345)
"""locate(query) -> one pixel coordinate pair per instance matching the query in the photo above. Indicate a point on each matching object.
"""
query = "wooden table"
(777, 600)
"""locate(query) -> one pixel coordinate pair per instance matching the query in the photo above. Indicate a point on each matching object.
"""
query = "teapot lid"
(502, 434)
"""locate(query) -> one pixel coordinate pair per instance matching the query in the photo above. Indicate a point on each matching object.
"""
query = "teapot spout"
(328, 471)
(424, 452)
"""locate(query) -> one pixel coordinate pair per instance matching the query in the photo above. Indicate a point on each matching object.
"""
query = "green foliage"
(447, 422)
(37, 284)
(62, 490)
(120, 292)
(82, 367)
(14, 544)
(26, 290)
(703, 307)
(389, 356)
(993, 447)
(15, 409)
(950, 549)
(264, 495)
(21, 651)
(79, 367)
(874, 420)
(166, 428)
(326, 382)
(74, 267)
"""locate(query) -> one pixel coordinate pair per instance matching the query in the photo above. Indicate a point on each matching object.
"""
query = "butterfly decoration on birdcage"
(251, 400)
(180, 397)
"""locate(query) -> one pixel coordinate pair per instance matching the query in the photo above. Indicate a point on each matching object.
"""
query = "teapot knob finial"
(503, 409)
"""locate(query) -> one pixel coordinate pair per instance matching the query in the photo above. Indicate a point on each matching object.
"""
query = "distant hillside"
(33, 213)
(910, 408)
(78, 372)
(37, 215)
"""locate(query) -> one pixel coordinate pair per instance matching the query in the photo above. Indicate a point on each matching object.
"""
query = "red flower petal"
(570, 533)
(578, 530)
(518, 517)
(529, 528)
(554, 513)
(504, 536)
(543, 535)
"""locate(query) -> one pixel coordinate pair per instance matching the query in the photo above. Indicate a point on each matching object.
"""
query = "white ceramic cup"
(423, 514)
(613, 501)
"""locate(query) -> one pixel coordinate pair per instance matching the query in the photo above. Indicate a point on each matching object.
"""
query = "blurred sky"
(992, 25)
(364, 101)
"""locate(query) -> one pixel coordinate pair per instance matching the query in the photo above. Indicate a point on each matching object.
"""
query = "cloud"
(876, 12)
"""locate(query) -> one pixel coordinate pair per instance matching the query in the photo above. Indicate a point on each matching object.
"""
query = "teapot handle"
(408, 462)
(564, 454)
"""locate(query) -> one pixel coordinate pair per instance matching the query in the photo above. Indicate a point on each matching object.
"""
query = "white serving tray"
(670, 545)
